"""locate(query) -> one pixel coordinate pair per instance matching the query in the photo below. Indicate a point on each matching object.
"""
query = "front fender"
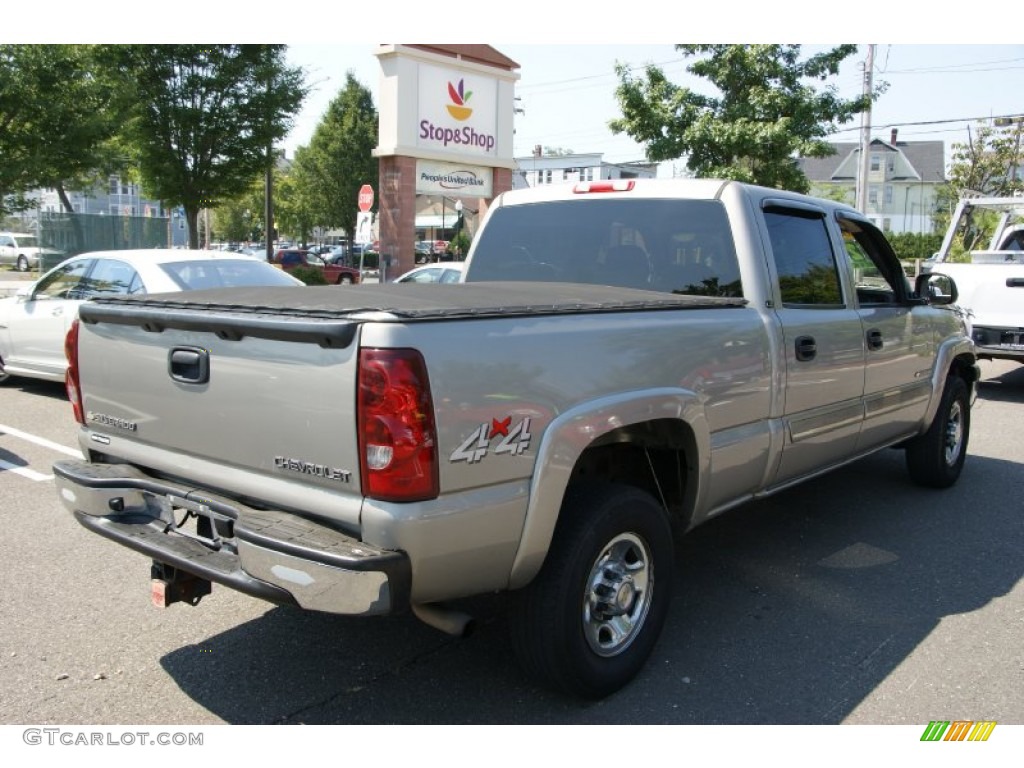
(570, 434)
(949, 351)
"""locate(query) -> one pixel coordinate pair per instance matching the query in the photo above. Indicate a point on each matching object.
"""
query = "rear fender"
(566, 439)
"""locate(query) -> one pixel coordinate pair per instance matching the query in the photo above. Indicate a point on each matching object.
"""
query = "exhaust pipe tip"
(448, 620)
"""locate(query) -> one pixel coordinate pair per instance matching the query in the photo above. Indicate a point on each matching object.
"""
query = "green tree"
(339, 159)
(914, 245)
(300, 204)
(58, 126)
(766, 113)
(986, 162)
(204, 118)
(241, 218)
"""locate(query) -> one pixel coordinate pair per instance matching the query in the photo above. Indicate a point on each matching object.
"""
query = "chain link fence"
(65, 235)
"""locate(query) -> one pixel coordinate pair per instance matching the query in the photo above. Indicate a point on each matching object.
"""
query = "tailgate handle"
(189, 365)
(1015, 282)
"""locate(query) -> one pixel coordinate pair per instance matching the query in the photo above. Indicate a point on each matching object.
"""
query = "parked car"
(336, 274)
(338, 255)
(433, 273)
(21, 250)
(34, 322)
(424, 250)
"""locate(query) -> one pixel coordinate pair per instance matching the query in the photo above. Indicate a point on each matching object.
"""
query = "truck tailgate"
(260, 403)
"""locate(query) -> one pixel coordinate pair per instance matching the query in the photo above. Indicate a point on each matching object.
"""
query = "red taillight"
(397, 438)
(72, 382)
(614, 185)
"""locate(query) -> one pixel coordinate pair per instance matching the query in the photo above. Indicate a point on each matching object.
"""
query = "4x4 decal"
(514, 440)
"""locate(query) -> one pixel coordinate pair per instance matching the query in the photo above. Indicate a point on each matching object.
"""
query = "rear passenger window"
(808, 274)
(110, 276)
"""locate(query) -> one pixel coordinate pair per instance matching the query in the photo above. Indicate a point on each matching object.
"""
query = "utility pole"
(865, 135)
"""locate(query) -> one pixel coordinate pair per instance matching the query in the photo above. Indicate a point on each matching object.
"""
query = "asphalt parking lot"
(857, 598)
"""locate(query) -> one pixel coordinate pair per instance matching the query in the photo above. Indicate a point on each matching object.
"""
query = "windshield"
(673, 246)
(225, 273)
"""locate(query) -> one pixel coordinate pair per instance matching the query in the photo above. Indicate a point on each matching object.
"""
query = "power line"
(903, 123)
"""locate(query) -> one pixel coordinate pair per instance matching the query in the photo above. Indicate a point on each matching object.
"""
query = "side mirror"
(936, 288)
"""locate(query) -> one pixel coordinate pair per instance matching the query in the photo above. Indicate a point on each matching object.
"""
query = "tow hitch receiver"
(170, 585)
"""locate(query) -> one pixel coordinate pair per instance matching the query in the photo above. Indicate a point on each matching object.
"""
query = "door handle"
(806, 348)
(875, 339)
(57, 311)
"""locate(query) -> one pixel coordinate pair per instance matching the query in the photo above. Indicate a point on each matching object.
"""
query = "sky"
(944, 72)
(934, 92)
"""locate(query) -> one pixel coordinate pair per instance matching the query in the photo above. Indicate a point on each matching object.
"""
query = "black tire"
(587, 623)
(22, 265)
(345, 280)
(936, 458)
(4, 375)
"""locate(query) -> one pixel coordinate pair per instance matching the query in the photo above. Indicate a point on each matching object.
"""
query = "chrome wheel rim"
(618, 595)
(954, 434)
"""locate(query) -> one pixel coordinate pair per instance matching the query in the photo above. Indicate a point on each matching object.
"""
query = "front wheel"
(345, 280)
(22, 265)
(936, 458)
(587, 623)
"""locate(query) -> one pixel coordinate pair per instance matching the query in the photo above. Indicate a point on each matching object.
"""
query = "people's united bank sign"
(458, 112)
(433, 178)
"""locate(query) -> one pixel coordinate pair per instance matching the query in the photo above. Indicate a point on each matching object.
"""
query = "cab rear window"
(673, 246)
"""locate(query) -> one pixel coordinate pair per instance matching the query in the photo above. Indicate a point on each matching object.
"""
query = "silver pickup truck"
(624, 361)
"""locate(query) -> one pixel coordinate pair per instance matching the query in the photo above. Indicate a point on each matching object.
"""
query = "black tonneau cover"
(328, 315)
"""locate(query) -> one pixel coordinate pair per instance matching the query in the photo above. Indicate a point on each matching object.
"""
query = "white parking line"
(4, 429)
(31, 474)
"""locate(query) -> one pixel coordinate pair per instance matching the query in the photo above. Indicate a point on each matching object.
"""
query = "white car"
(21, 250)
(444, 272)
(34, 322)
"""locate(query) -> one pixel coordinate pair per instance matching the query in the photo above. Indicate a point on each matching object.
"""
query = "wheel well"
(655, 456)
(965, 368)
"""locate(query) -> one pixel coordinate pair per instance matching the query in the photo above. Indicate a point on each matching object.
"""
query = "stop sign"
(365, 198)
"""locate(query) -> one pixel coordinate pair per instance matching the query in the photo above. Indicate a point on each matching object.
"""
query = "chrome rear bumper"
(270, 554)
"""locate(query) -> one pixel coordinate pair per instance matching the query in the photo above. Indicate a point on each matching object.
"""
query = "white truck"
(983, 251)
(624, 361)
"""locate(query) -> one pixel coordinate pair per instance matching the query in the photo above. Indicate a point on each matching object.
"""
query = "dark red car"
(336, 274)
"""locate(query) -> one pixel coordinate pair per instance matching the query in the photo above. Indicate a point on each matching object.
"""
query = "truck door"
(898, 336)
(823, 342)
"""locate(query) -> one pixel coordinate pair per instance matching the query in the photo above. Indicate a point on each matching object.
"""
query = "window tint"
(803, 257)
(224, 273)
(878, 275)
(674, 246)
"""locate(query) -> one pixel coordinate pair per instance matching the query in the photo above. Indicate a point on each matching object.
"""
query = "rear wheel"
(591, 617)
(4, 375)
(936, 458)
(22, 265)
